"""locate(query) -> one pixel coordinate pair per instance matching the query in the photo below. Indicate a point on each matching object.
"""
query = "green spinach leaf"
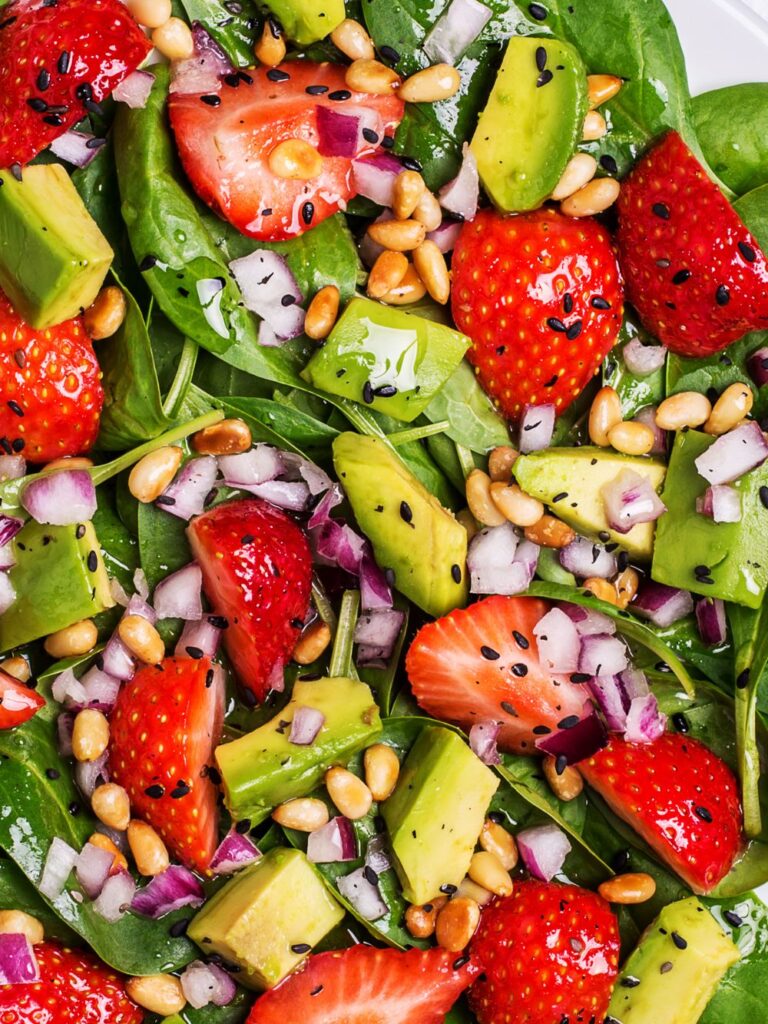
(234, 26)
(740, 997)
(750, 639)
(732, 128)
(634, 391)
(18, 893)
(472, 417)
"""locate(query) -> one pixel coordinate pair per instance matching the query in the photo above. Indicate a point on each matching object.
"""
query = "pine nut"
(456, 923)
(148, 849)
(79, 638)
(106, 315)
(408, 189)
(270, 49)
(467, 520)
(227, 437)
(105, 843)
(382, 769)
(500, 463)
(152, 474)
(730, 409)
(387, 272)
(428, 212)
(372, 77)
(496, 840)
(142, 639)
(305, 814)
(349, 794)
(421, 920)
(515, 505)
(112, 806)
(602, 589)
(627, 584)
(630, 888)
(312, 643)
(686, 409)
(482, 507)
(295, 160)
(410, 289)
(604, 414)
(150, 13)
(354, 42)
(174, 40)
(431, 268)
(487, 870)
(550, 532)
(631, 438)
(157, 993)
(594, 127)
(439, 82)
(399, 235)
(596, 197)
(17, 922)
(18, 668)
(69, 462)
(322, 313)
(601, 88)
(579, 170)
(474, 891)
(566, 784)
(90, 735)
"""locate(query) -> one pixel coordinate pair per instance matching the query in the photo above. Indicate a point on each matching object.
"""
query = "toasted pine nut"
(105, 843)
(312, 643)
(550, 532)
(579, 170)
(373, 77)
(594, 127)
(596, 196)
(420, 920)
(407, 191)
(456, 923)
(730, 409)
(515, 505)
(382, 769)
(354, 42)
(105, 316)
(602, 589)
(686, 409)
(431, 268)
(567, 783)
(630, 888)
(90, 735)
(500, 463)
(17, 922)
(631, 438)
(410, 289)
(157, 993)
(481, 505)
(474, 891)
(305, 814)
(439, 82)
(270, 49)
(487, 870)
(496, 840)
(349, 793)
(467, 520)
(227, 437)
(148, 849)
(604, 414)
(322, 313)
(387, 273)
(79, 638)
(295, 160)
(18, 668)
(152, 474)
(428, 212)
(142, 639)
(601, 88)
(150, 13)
(112, 806)
(399, 235)
(68, 462)
(174, 40)
(627, 584)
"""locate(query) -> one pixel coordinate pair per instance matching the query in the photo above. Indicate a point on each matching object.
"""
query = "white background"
(725, 41)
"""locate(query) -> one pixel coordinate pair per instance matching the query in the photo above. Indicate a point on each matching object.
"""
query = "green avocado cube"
(53, 257)
(267, 918)
(307, 21)
(436, 812)
(393, 361)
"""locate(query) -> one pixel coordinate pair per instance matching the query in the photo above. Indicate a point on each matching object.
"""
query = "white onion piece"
(374, 177)
(117, 660)
(117, 591)
(537, 425)
(543, 850)
(62, 498)
(446, 236)
(12, 467)
(630, 499)
(645, 722)
(334, 843)
(202, 72)
(186, 495)
(115, 898)
(286, 494)
(584, 558)
(483, 737)
(377, 854)
(602, 655)
(558, 641)
(101, 689)
(588, 621)
(455, 30)
(203, 984)
(234, 852)
(7, 558)
(179, 596)
(375, 592)
(270, 290)
(92, 869)
(316, 479)
(90, 774)
(261, 463)
(362, 894)
(711, 620)
(137, 605)
(489, 560)
(460, 196)
(647, 415)
(140, 584)
(7, 593)
(202, 635)
(67, 689)
(379, 629)
(174, 888)
(634, 682)
(76, 148)
(612, 700)
(720, 502)
(18, 964)
(643, 359)
(59, 862)
(134, 89)
(661, 604)
(307, 723)
(9, 527)
(733, 454)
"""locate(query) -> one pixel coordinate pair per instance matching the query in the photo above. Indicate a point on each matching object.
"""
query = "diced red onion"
(733, 454)
(18, 963)
(647, 415)
(9, 527)
(179, 596)
(375, 592)
(645, 722)
(307, 723)
(461, 195)
(202, 635)
(341, 133)
(335, 543)
(115, 898)
(202, 72)
(92, 869)
(757, 366)
(660, 604)
(65, 724)
(362, 895)
(630, 499)
(297, 467)
(270, 290)
(377, 854)
(291, 495)
(446, 236)
(374, 177)
(101, 689)
(489, 560)
(234, 852)
(62, 498)
(185, 496)
(455, 30)
(256, 466)
(90, 774)
(73, 147)
(67, 689)
(334, 843)
(634, 683)
(203, 984)
(582, 740)
(378, 630)
(58, 865)
(643, 359)
(588, 621)
(226, 990)
(711, 620)
(584, 558)
(602, 655)
(537, 425)
(720, 502)
(117, 660)
(134, 89)
(483, 737)
(612, 700)
(12, 467)
(558, 641)
(138, 605)
(174, 888)
(543, 850)
(7, 593)
(7, 558)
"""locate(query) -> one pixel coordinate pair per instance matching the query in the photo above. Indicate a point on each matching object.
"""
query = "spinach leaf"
(750, 639)
(715, 373)
(252, 410)
(472, 417)
(753, 210)
(118, 546)
(234, 26)
(97, 185)
(163, 543)
(634, 392)
(740, 996)
(18, 893)
(732, 128)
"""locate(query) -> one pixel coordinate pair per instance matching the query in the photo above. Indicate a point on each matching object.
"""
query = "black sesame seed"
(300, 947)
(287, 300)
(680, 722)
(74, 808)
(541, 730)
(370, 136)
(211, 100)
(661, 210)
(541, 57)
(154, 792)
(666, 967)
(390, 54)
(520, 640)
(307, 212)
(489, 654)
(448, 889)
(64, 63)
(620, 861)
(460, 962)
(509, 708)
(276, 75)
(406, 512)
(580, 677)
(52, 774)
(370, 875)
(701, 570)
(55, 120)
(681, 277)
(567, 303)
(222, 622)
(388, 142)
(367, 392)
(339, 95)
(92, 561)
(165, 499)
(763, 493)
(622, 561)
(519, 669)
(6, 445)
(629, 981)
(43, 79)
(316, 90)
(181, 789)
(608, 163)
(385, 391)
(722, 295)
(84, 91)
(232, 80)
(317, 990)
(747, 252)
(94, 108)
(15, 170)
(18, 444)
(556, 325)
(569, 722)
(733, 918)
(703, 813)
(179, 928)
(663, 263)
(209, 677)
(80, 532)
(245, 77)
(195, 652)
(147, 263)
(37, 104)
(574, 330)
(15, 407)
(456, 573)
(598, 302)
(537, 11)
(679, 941)
(561, 496)
(561, 763)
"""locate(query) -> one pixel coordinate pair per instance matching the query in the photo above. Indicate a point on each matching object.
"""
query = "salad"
(383, 504)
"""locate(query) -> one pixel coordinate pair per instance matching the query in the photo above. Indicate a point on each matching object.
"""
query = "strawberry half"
(166, 723)
(680, 797)
(482, 664)
(540, 295)
(695, 274)
(18, 703)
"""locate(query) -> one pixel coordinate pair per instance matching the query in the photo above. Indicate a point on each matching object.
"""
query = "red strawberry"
(482, 663)
(694, 273)
(18, 702)
(55, 60)
(225, 142)
(74, 988)
(257, 572)
(680, 797)
(165, 726)
(363, 985)
(50, 388)
(540, 296)
(549, 953)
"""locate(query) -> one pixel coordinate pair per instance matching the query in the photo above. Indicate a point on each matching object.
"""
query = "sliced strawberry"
(225, 137)
(165, 726)
(482, 663)
(18, 703)
(257, 572)
(680, 797)
(363, 985)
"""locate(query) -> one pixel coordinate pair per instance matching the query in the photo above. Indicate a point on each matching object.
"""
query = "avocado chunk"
(59, 578)
(726, 560)
(392, 361)
(263, 768)
(662, 983)
(532, 123)
(436, 812)
(412, 534)
(53, 257)
(268, 917)
(570, 480)
(307, 21)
